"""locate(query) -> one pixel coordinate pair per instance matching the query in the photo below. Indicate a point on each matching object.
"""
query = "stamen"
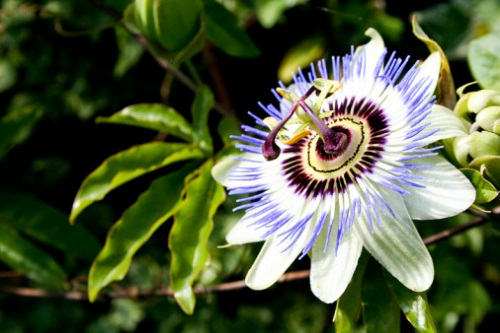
(335, 141)
(270, 149)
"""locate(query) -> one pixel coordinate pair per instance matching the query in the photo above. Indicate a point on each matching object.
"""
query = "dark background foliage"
(59, 72)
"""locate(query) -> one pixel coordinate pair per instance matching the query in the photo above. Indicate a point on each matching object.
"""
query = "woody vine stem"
(134, 292)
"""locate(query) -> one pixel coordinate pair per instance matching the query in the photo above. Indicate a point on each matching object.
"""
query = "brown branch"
(134, 292)
(137, 293)
(455, 231)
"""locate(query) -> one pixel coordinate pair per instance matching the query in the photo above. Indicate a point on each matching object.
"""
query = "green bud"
(489, 119)
(484, 143)
(482, 99)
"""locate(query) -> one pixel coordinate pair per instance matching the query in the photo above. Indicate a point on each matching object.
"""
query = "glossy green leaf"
(203, 103)
(127, 165)
(484, 60)
(47, 224)
(153, 116)
(189, 235)
(485, 191)
(224, 30)
(21, 255)
(134, 228)
(176, 22)
(414, 306)
(381, 312)
(447, 95)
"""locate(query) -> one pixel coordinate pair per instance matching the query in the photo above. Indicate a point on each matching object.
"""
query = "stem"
(166, 65)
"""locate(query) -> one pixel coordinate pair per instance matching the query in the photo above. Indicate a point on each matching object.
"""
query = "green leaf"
(343, 324)
(414, 306)
(380, 310)
(17, 125)
(176, 22)
(228, 126)
(130, 51)
(485, 191)
(447, 95)
(153, 116)
(269, 12)
(189, 235)
(301, 55)
(47, 224)
(8, 75)
(144, 19)
(224, 31)
(484, 60)
(349, 304)
(19, 254)
(127, 165)
(203, 103)
(134, 228)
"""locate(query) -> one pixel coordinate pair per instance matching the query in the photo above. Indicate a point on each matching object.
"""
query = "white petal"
(447, 191)
(430, 69)
(242, 233)
(272, 261)
(397, 245)
(373, 51)
(446, 121)
(330, 273)
(221, 171)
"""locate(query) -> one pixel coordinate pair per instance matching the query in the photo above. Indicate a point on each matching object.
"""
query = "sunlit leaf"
(127, 165)
(21, 255)
(414, 306)
(47, 224)
(224, 31)
(484, 60)
(153, 116)
(134, 228)
(447, 96)
(380, 310)
(485, 191)
(189, 235)
(203, 103)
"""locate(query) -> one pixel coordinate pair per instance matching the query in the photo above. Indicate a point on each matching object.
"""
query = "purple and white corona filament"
(345, 163)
